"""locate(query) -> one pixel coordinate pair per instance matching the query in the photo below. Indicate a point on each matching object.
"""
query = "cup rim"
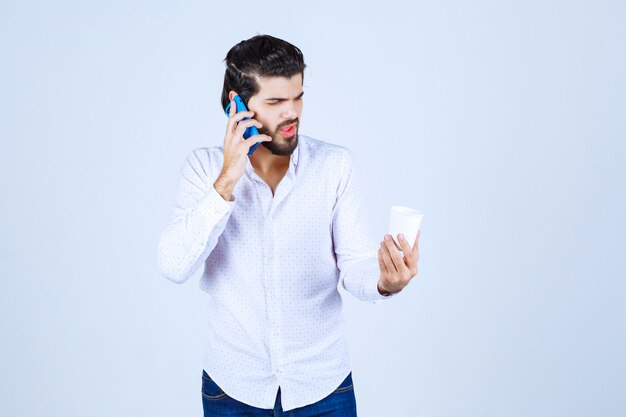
(407, 210)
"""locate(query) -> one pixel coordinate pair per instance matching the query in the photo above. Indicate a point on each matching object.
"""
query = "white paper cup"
(404, 220)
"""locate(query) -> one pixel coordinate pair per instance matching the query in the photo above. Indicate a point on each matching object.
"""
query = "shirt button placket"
(273, 300)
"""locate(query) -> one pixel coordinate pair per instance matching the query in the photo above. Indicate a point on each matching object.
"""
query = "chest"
(273, 179)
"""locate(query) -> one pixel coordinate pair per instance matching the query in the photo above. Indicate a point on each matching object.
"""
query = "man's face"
(278, 105)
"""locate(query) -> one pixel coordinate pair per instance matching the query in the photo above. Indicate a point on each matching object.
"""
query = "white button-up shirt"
(272, 265)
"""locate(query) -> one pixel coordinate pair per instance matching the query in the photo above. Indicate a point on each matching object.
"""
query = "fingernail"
(387, 237)
(401, 236)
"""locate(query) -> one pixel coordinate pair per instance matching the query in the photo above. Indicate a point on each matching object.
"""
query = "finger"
(406, 249)
(415, 252)
(391, 267)
(241, 128)
(381, 261)
(396, 258)
(394, 241)
(252, 140)
(231, 109)
(240, 115)
(234, 119)
(409, 259)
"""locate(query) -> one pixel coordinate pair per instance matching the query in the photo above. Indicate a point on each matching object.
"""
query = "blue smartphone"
(250, 131)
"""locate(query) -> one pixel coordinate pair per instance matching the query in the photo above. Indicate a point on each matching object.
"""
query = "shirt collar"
(295, 155)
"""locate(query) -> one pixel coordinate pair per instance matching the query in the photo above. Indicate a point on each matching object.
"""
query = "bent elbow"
(175, 278)
(170, 269)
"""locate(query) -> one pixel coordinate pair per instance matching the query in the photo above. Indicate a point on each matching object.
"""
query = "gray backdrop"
(504, 122)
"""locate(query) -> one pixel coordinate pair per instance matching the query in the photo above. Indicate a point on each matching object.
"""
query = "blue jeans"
(340, 403)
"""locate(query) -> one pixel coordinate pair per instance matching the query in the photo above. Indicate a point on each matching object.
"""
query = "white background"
(504, 122)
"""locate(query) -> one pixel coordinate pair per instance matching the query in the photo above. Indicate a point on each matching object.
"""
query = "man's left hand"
(397, 271)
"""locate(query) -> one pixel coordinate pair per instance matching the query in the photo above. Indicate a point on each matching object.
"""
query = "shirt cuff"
(370, 291)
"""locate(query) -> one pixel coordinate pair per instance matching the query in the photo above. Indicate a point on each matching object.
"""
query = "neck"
(263, 161)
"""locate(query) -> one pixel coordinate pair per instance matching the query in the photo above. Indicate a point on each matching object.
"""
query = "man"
(277, 232)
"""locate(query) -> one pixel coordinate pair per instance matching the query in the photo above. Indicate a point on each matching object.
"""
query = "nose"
(289, 112)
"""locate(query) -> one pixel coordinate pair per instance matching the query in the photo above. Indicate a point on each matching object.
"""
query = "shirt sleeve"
(198, 218)
(355, 247)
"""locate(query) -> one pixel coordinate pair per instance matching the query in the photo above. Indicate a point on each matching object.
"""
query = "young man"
(277, 232)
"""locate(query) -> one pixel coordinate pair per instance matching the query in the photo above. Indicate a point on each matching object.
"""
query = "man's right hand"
(236, 150)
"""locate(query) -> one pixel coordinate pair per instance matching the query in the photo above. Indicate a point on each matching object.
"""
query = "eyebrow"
(284, 99)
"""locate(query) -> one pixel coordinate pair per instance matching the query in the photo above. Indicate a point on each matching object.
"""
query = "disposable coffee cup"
(404, 220)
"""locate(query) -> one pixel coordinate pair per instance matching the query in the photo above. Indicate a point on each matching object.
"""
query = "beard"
(286, 145)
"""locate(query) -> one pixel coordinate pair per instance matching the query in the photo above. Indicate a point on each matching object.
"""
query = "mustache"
(287, 123)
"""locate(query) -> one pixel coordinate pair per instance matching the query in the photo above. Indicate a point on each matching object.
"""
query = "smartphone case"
(250, 131)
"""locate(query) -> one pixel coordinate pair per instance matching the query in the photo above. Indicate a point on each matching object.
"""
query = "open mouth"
(288, 130)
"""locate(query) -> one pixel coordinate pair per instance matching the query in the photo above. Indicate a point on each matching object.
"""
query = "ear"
(231, 94)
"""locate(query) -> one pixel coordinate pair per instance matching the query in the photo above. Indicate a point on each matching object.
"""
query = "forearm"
(362, 279)
(191, 236)
(224, 187)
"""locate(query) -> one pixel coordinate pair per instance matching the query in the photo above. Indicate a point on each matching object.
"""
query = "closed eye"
(271, 101)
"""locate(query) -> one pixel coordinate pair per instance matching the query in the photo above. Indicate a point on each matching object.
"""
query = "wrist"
(224, 187)
(381, 290)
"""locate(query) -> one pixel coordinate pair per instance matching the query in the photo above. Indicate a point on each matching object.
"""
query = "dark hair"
(261, 55)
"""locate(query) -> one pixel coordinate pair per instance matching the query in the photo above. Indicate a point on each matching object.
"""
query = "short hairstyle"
(261, 55)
